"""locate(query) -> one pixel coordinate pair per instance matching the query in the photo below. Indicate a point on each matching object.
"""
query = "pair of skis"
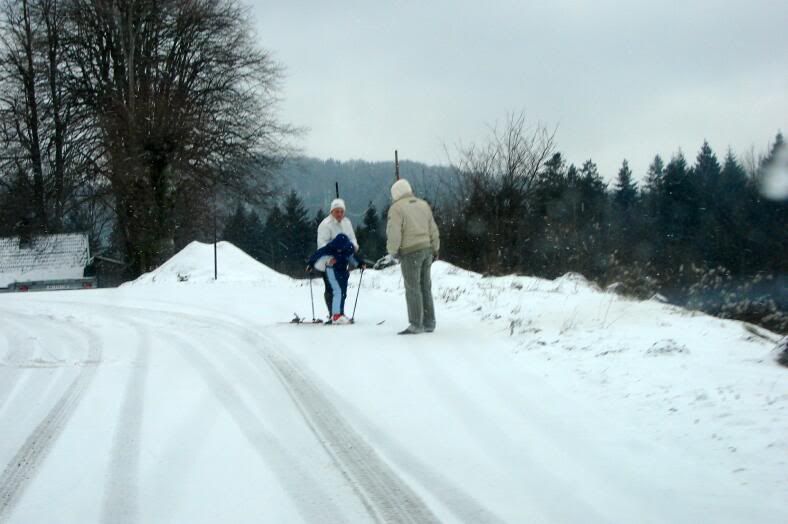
(318, 322)
(314, 321)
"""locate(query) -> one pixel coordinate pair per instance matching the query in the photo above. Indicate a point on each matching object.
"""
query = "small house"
(45, 262)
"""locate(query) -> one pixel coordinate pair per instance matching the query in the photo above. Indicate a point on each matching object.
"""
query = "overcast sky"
(618, 79)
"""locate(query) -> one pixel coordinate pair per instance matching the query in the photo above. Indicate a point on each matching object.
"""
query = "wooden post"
(396, 164)
(215, 256)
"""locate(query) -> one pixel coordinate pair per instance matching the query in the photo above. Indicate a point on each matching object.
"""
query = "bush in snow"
(716, 292)
(634, 279)
(782, 349)
(666, 347)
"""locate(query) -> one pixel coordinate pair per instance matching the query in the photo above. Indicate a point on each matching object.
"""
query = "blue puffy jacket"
(341, 248)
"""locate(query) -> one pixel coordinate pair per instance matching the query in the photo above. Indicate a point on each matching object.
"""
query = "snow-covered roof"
(45, 257)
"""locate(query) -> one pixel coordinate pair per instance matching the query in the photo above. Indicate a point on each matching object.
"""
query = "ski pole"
(353, 316)
(311, 296)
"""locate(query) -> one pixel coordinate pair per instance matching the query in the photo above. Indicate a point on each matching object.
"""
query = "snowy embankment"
(179, 399)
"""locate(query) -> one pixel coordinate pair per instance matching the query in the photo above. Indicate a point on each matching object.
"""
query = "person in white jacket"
(335, 223)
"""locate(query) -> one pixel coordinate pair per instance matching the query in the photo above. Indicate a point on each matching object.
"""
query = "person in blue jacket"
(339, 257)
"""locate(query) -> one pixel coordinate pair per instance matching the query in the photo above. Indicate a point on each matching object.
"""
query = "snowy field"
(179, 399)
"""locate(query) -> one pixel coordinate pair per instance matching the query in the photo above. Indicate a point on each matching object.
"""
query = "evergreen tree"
(592, 191)
(707, 170)
(625, 218)
(275, 249)
(733, 178)
(626, 191)
(654, 175)
(777, 147)
(551, 184)
(316, 220)
(592, 231)
(296, 234)
(551, 214)
(678, 218)
(245, 230)
(650, 196)
(768, 211)
(235, 229)
(733, 197)
(477, 245)
(370, 235)
(705, 177)
(254, 233)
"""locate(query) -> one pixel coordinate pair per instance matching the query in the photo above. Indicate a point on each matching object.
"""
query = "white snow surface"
(195, 264)
(193, 400)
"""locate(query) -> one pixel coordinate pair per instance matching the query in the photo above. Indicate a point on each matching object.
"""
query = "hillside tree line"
(704, 232)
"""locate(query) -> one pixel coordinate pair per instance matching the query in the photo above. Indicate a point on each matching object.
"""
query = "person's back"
(412, 235)
(411, 226)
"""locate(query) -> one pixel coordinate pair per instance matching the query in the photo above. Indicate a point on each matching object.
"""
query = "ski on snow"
(303, 321)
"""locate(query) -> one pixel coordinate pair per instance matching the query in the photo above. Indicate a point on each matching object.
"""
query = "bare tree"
(495, 181)
(20, 101)
(58, 113)
(185, 104)
(41, 134)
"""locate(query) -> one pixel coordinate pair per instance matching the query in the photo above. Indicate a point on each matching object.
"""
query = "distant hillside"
(360, 182)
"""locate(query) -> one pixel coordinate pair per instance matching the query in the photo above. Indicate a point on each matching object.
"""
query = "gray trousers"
(418, 288)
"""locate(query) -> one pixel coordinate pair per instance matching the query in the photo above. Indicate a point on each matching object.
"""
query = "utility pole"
(396, 164)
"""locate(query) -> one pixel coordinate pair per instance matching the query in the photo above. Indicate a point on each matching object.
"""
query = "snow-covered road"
(193, 403)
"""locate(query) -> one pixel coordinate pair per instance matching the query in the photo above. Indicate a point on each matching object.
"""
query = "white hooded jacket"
(328, 229)
(411, 226)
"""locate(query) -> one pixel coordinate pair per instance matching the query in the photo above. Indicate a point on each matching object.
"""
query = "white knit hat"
(400, 189)
(337, 203)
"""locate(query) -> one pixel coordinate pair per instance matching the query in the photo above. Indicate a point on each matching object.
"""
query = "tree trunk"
(28, 76)
(50, 15)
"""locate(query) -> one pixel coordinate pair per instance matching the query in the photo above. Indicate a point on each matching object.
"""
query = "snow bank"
(194, 265)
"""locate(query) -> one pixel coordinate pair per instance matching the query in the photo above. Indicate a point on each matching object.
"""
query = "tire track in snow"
(10, 362)
(23, 466)
(310, 499)
(461, 504)
(383, 493)
(121, 498)
(23, 362)
(386, 496)
(121, 492)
